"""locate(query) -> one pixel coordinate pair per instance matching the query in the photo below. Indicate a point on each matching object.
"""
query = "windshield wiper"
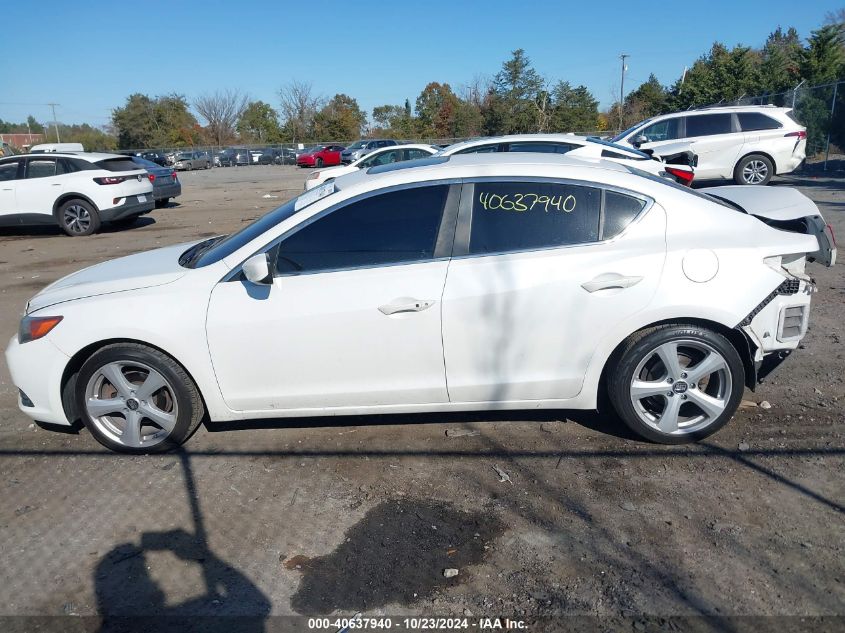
(193, 254)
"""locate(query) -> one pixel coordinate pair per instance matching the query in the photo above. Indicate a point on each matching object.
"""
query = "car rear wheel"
(319, 163)
(676, 383)
(136, 399)
(78, 218)
(754, 169)
(163, 202)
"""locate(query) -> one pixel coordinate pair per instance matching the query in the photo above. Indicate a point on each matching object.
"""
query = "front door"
(352, 318)
(8, 184)
(540, 282)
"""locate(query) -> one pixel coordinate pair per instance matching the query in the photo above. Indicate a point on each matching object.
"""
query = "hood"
(142, 270)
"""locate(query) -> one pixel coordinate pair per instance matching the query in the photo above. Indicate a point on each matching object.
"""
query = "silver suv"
(362, 148)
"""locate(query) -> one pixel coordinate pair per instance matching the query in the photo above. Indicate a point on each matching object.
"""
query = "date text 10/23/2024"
(344, 625)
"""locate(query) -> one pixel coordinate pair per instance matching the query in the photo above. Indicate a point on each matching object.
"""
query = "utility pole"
(55, 123)
(623, 57)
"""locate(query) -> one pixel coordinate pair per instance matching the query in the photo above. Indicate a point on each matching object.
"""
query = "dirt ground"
(262, 520)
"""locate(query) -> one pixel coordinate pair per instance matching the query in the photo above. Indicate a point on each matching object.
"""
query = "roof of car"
(516, 138)
(89, 156)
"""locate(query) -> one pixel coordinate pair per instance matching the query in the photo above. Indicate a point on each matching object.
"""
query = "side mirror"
(639, 139)
(257, 269)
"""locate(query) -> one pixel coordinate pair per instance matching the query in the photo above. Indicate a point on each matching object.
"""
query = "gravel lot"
(315, 517)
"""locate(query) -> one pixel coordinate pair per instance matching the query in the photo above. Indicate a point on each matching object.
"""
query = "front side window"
(751, 121)
(8, 170)
(41, 168)
(382, 158)
(517, 216)
(389, 228)
(414, 153)
(480, 149)
(542, 148)
(666, 130)
(708, 124)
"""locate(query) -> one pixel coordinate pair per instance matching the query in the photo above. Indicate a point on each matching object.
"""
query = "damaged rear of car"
(778, 323)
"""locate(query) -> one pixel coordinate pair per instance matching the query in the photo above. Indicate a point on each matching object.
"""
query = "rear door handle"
(607, 281)
(405, 304)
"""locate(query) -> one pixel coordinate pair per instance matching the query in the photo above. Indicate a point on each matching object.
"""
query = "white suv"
(749, 144)
(77, 191)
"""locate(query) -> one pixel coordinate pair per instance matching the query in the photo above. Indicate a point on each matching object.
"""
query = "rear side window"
(8, 170)
(67, 166)
(619, 212)
(517, 216)
(118, 164)
(708, 124)
(41, 168)
(390, 228)
(749, 121)
(542, 148)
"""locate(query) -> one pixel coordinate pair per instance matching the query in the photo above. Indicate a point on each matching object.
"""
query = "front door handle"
(405, 304)
(607, 281)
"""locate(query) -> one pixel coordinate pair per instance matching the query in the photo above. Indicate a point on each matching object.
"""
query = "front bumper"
(130, 207)
(36, 368)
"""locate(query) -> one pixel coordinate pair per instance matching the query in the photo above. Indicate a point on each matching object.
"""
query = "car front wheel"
(755, 169)
(136, 399)
(78, 218)
(676, 383)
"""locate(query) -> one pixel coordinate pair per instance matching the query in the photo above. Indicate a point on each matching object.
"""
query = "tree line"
(517, 99)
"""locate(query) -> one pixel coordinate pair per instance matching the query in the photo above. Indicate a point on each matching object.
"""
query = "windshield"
(356, 145)
(622, 135)
(183, 156)
(217, 248)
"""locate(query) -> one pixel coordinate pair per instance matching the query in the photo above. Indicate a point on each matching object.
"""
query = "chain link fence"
(821, 109)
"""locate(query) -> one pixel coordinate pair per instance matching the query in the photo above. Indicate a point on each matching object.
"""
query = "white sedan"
(580, 147)
(508, 281)
(382, 156)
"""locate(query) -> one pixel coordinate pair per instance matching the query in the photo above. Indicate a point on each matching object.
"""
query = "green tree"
(824, 58)
(34, 126)
(573, 109)
(649, 98)
(721, 75)
(436, 110)
(395, 120)
(260, 123)
(780, 66)
(93, 139)
(512, 103)
(339, 120)
(164, 121)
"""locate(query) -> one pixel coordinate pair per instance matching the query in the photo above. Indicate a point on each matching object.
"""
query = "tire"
(163, 202)
(190, 167)
(78, 218)
(704, 395)
(175, 401)
(319, 163)
(754, 169)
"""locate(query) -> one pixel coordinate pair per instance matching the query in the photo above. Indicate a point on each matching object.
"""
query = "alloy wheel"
(681, 387)
(131, 403)
(76, 218)
(755, 172)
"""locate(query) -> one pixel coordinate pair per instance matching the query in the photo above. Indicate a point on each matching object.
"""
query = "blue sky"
(90, 55)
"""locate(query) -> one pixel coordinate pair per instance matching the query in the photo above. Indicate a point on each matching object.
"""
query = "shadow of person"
(129, 599)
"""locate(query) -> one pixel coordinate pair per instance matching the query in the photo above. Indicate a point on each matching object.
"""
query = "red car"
(320, 156)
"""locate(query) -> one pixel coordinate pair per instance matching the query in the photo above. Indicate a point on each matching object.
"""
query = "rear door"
(540, 269)
(717, 141)
(8, 184)
(41, 185)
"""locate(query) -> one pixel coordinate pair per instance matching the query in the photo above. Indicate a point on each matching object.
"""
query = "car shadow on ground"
(55, 231)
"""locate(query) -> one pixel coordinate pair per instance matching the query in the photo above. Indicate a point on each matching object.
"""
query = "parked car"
(77, 191)
(286, 156)
(242, 156)
(361, 148)
(383, 156)
(155, 157)
(187, 161)
(576, 146)
(265, 156)
(748, 144)
(566, 278)
(225, 158)
(165, 181)
(49, 148)
(320, 156)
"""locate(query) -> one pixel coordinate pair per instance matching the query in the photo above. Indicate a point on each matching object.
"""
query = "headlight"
(34, 328)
